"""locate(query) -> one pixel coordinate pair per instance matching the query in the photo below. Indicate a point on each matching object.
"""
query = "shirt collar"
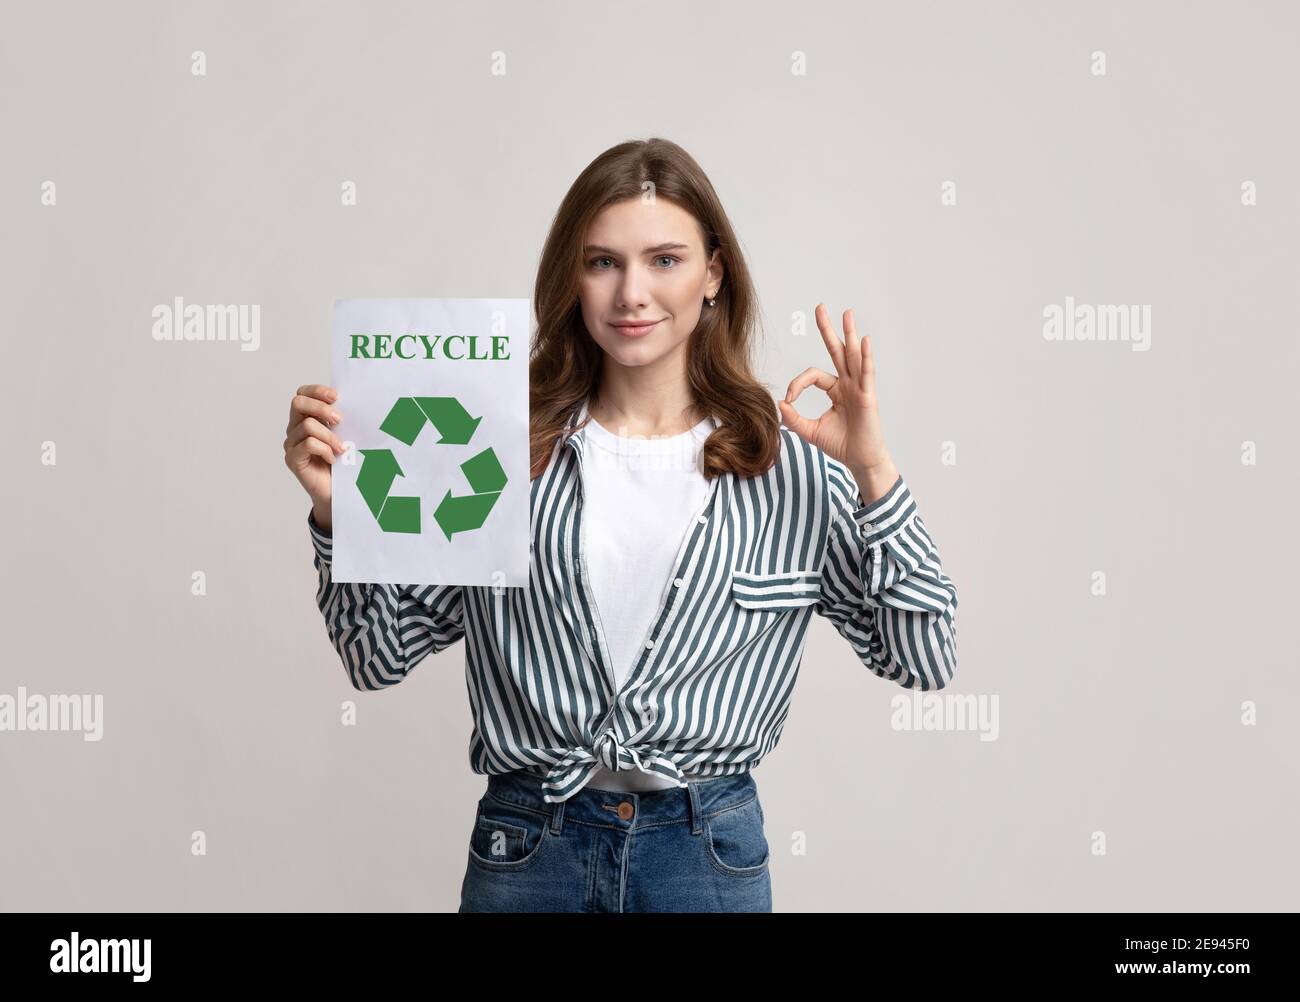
(720, 491)
(576, 441)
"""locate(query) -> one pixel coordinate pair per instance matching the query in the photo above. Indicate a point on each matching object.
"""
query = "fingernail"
(336, 416)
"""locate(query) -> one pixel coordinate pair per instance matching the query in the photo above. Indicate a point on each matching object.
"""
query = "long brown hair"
(565, 361)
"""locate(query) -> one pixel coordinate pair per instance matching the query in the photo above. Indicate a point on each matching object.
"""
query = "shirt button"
(649, 644)
(677, 583)
(626, 810)
(702, 519)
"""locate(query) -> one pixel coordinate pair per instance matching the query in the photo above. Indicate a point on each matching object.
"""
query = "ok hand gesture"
(850, 430)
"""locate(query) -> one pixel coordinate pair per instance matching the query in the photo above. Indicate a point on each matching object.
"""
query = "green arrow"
(400, 515)
(458, 514)
(450, 418)
(484, 472)
(379, 469)
(470, 511)
(404, 421)
(446, 414)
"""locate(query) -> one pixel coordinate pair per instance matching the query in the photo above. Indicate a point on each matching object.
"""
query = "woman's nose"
(631, 291)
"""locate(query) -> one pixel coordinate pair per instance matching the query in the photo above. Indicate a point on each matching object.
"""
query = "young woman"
(682, 539)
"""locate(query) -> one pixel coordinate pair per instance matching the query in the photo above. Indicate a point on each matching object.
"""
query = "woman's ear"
(716, 272)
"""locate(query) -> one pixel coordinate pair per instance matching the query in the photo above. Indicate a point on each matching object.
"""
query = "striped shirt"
(709, 694)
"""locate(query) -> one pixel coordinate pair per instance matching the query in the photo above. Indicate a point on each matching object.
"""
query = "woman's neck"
(638, 403)
(648, 418)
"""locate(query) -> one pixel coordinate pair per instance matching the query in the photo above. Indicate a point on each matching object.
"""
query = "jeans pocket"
(735, 841)
(507, 836)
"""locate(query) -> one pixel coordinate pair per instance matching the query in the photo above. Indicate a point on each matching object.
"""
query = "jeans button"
(626, 810)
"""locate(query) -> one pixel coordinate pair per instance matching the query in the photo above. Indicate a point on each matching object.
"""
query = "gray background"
(1119, 714)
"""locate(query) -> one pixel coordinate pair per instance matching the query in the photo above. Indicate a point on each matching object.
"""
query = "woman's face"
(645, 261)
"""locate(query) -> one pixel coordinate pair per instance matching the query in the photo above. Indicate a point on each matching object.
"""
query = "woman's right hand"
(310, 446)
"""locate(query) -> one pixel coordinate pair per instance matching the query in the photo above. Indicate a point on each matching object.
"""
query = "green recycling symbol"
(455, 513)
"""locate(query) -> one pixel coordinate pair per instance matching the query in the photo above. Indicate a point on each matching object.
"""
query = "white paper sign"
(434, 397)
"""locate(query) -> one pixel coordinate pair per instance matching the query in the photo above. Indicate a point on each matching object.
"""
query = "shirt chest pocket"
(782, 590)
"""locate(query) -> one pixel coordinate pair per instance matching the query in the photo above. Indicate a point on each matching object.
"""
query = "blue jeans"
(699, 849)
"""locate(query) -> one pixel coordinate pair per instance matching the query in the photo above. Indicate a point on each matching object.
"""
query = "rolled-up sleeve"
(382, 631)
(883, 586)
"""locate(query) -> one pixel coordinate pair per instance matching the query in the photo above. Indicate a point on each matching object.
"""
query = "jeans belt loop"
(697, 818)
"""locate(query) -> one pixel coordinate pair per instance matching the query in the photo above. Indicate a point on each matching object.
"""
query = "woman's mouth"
(635, 328)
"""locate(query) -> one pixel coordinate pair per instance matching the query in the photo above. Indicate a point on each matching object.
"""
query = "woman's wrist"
(874, 482)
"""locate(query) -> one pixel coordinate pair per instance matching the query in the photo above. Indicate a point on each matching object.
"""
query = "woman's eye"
(595, 261)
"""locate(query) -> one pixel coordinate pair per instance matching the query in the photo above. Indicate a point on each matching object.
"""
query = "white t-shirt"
(640, 495)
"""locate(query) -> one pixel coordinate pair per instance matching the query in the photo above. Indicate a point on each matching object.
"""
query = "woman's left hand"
(850, 430)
